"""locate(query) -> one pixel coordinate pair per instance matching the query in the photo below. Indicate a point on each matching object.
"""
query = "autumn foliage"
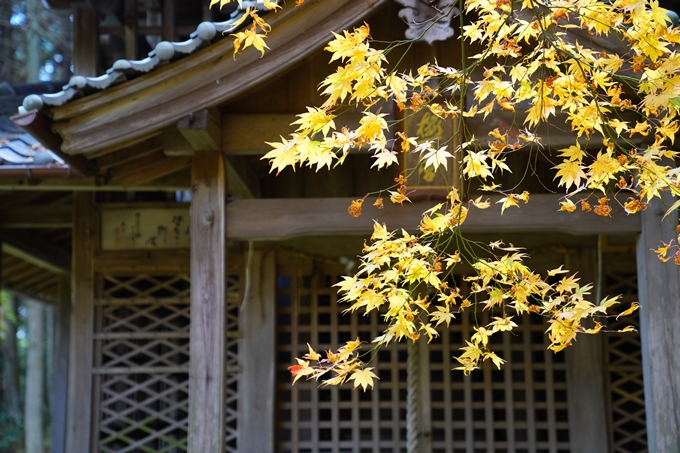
(538, 61)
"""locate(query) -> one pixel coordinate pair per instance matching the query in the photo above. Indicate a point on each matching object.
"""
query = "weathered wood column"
(258, 357)
(659, 294)
(79, 412)
(207, 370)
(86, 37)
(585, 372)
(60, 365)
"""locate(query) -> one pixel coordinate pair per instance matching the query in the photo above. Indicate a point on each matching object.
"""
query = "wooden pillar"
(257, 357)
(130, 25)
(79, 397)
(35, 375)
(418, 407)
(207, 373)
(60, 365)
(658, 291)
(86, 39)
(169, 20)
(585, 374)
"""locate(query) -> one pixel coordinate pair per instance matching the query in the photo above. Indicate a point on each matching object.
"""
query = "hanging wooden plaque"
(145, 228)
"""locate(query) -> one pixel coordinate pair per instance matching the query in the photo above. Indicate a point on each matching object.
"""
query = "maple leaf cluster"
(622, 106)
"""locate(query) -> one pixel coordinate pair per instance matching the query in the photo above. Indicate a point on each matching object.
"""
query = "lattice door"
(624, 367)
(522, 408)
(142, 363)
(337, 420)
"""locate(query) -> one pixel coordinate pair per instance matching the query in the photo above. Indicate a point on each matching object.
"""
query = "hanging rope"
(412, 434)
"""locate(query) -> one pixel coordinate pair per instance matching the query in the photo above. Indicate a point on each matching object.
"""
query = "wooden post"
(257, 356)
(207, 372)
(60, 365)
(35, 375)
(86, 39)
(585, 377)
(79, 413)
(424, 405)
(658, 290)
(130, 18)
(169, 20)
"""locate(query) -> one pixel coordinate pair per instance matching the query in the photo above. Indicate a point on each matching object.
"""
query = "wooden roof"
(136, 110)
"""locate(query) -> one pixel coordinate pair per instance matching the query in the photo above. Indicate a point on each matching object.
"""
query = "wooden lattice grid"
(522, 408)
(142, 362)
(233, 288)
(143, 413)
(625, 388)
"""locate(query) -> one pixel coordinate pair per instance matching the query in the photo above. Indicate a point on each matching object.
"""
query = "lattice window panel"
(522, 408)
(625, 388)
(233, 287)
(142, 363)
(334, 420)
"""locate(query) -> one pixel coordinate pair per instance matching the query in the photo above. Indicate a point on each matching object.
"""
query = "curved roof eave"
(132, 110)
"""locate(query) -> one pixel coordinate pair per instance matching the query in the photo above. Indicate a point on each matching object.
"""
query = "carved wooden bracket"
(428, 20)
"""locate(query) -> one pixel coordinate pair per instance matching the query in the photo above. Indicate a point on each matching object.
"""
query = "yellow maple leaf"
(570, 173)
(494, 358)
(363, 377)
(479, 204)
(441, 315)
(567, 205)
(510, 200)
(248, 38)
(312, 355)
(628, 329)
(567, 285)
(272, 5)
(634, 306)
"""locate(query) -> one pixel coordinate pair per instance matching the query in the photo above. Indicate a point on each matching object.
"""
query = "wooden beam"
(174, 143)
(136, 151)
(79, 413)
(62, 319)
(658, 289)
(246, 134)
(164, 167)
(283, 218)
(180, 180)
(37, 216)
(555, 134)
(585, 373)
(37, 251)
(201, 129)
(243, 183)
(35, 124)
(141, 261)
(136, 165)
(257, 352)
(207, 378)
